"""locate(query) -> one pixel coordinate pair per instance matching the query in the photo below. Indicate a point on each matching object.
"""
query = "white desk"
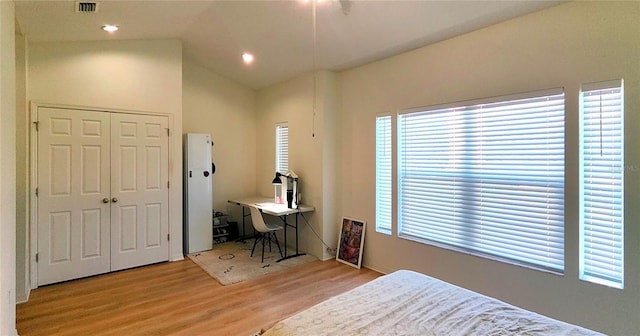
(269, 207)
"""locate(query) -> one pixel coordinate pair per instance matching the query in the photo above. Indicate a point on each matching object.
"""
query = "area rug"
(231, 262)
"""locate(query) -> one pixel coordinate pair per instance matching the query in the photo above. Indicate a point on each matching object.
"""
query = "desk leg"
(243, 222)
(244, 236)
(297, 254)
(284, 219)
(297, 234)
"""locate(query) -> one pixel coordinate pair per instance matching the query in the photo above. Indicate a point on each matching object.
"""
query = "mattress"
(410, 303)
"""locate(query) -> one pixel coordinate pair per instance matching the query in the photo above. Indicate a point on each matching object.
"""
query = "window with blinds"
(282, 147)
(383, 174)
(486, 177)
(602, 184)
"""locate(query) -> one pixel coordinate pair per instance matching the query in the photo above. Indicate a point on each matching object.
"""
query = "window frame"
(384, 167)
(559, 264)
(279, 144)
(597, 273)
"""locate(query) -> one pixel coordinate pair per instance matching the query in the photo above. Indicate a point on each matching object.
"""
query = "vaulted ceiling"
(288, 38)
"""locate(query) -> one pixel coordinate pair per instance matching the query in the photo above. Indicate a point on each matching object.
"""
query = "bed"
(410, 303)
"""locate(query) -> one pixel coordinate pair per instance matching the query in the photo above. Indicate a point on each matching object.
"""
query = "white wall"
(564, 46)
(292, 102)
(7, 170)
(328, 91)
(133, 75)
(22, 171)
(227, 111)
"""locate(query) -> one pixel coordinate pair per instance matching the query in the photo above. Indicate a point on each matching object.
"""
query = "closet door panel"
(73, 220)
(140, 185)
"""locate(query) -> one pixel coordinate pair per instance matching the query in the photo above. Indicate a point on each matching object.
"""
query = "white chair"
(265, 231)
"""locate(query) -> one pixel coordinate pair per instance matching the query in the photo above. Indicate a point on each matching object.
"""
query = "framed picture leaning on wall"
(351, 241)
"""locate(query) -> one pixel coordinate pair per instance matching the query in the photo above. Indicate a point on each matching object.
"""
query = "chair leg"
(263, 236)
(269, 235)
(254, 244)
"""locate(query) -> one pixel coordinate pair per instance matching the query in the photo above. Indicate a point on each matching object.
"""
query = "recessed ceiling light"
(247, 58)
(110, 28)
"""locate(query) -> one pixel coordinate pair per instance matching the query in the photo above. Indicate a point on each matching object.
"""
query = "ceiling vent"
(86, 7)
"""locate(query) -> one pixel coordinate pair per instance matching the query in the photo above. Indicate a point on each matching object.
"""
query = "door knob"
(105, 200)
(114, 200)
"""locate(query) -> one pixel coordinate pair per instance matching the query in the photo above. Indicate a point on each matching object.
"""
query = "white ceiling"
(280, 34)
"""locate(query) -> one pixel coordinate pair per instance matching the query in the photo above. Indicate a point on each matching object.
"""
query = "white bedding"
(410, 303)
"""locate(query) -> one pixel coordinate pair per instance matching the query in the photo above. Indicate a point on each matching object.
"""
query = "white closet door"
(139, 190)
(73, 194)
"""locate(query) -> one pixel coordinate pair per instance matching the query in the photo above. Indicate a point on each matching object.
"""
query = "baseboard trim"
(23, 298)
(177, 257)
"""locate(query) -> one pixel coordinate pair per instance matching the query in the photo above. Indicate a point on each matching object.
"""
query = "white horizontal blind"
(601, 184)
(282, 147)
(383, 174)
(486, 178)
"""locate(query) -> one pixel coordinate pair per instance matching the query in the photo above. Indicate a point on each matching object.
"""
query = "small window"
(602, 184)
(383, 174)
(282, 147)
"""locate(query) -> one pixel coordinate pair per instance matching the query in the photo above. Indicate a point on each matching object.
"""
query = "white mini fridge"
(198, 193)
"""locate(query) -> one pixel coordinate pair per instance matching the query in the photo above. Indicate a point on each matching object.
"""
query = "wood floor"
(179, 298)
